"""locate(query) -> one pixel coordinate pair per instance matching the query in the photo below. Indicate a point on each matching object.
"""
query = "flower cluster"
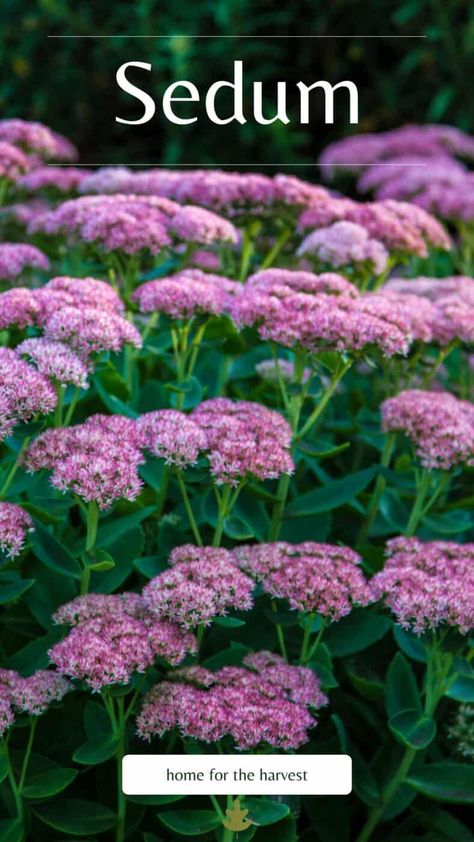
(345, 244)
(90, 330)
(440, 426)
(32, 695)
(13, 162)
(113, 637)
(25, 392)
(187, 294)
(244, 438)
(37, 138)
(15, 257)
(172, 436)
(263, 702)
(55, 360)
(196, 225)
(441, 309)
(428, 584)
(202, 583)
(96, 460)
(57, 179)
(15, 522)
(315, 578)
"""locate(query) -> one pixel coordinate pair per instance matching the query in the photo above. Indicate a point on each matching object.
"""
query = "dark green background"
(70, 84)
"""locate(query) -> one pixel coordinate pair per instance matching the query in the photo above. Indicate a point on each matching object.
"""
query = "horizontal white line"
(188, 35)
(218, 165)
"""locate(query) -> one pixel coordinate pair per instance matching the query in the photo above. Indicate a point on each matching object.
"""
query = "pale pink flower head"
(233, 193)
(35, 693)
(38, 138)
(56, 361)
(323, 579)
(13, 162)
(90, 330)
(15, 523)
(201, 584)
(197, 225)
(97, 605)
(25, 392)
(345, 244)
(117, 228)
(265, 702)
(187, 294)
(18, 307)
(16, 257)
(244, 438)
(65, 291)
(171, 435)
(56, 179)
(111, 642)
(281, 282)
(439, 425)
(428, 584)
(88, 460)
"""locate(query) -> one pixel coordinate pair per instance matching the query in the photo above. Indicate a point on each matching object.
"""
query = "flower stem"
(280, 241)
(379, 488)
(29, 746)
(58, 412)
(417, 510)
(280, 636)
(121, 801)
(189, 511)
(306, 638)
(92, 525)
(248, 247)
(71, 407)
(319, 409)
(217, 808)
(224, 503)
(229, 835)
(12, 472)
(395, 781)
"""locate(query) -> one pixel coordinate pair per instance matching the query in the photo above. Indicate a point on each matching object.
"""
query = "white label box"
(216, 774)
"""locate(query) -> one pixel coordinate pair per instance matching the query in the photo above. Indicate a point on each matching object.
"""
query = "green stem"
(12, 472)
(92, 525)
(121, 800)
(441, 357)
(280, 635)
(26, 758)
(314, 647)
(306, 638)
(280, 241)
(229, 835)
(71, 407)
(248, 247)
(201, 629)
(319, 409)
(58, 412)
(161, 496)
(217, 808)
(189, 511)
(224, 503)
(395, 781)
(379, 489)
(417, 510)
(14, 787)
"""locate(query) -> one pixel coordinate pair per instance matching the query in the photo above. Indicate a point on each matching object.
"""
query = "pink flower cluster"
(24, 392)
(15, 257)
(244, 438)
(56, 361)
(196, 225)
(442, 309)
(345, 244)
(186, 294)
(97, 460)
(315, 578)
(15, 522)
(428, 584)
(440, 426)
(263, 702)
(171, 435)
(113, 637)
(339, 318)
(35, 137)
(32, 695)
(13, 162)
(202, 583)
(58, 179)
(90, 330)
(403, 228)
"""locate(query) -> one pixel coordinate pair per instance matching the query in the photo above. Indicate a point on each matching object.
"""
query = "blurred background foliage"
(70, 83)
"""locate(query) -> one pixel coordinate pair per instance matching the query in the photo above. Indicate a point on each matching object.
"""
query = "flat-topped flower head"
(407, 174)
(114, 640)
(428, 584)
(171, 435)
(13, 162)
(323, 579)
(64, 291)
(90, 330)
(439, 425)
(32, 695)
(197, 225)
(55, 179)
(88, 460)
(282, 282)
(38, 138)
(265, 702)
(186, 294)
(201, 584)
(25, 392)
(18, 307)
(345, 244)
(244, 438)
(15, 523)
(97, 605)
(56, 361)
(445, 305)
(16, 257)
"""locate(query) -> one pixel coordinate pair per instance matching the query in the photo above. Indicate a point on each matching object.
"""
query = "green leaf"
(96, 720)
(96, 750)
(190, 388)
(263, 812)
(462, 690)
(228, 622)
(11, 830)
(34, 655)
(284, 831)
(331, 496)
(401, 689)
(112, 530)
(356, 632)
(3, 765)
(232, 656)
(410, 644)
(237, 528)
(155, 800)
(99, 561)
(54, 555)
(411, 728)
(48, 783)
(445, 782)
(190, 822)
(12, 586)
(76, 816)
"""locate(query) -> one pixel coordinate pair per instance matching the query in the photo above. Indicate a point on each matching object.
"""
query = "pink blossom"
(90, 330)
(119, 229)
(186, 294)
(25, 391)
(109, 645)
(13, 162)
(244, 438)
(97, 605)
(345, 244)
(196, 225)
(59, 179)
(35, 137)
(428, 584)
(32, 695)
(171, 435)
(56, 361)
(15, 522)
(19, 307)
(202, 584)
(315, 578)
(64, 291)
(15, 257)
(440, 426)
